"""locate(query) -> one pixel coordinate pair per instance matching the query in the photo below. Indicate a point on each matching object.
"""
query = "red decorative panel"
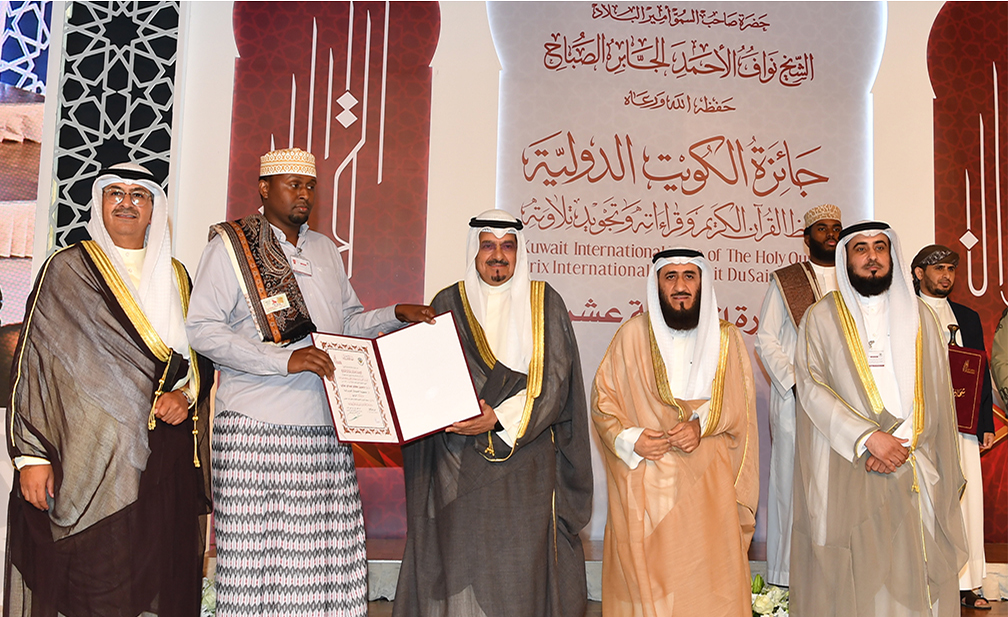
(994, 465)
(383, 496)
(967, 61)
(370, 136)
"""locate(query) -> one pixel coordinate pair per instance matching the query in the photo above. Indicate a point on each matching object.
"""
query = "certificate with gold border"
(401, 386)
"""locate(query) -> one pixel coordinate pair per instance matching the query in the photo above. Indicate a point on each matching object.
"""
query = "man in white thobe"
(794, 288)
(934, 272)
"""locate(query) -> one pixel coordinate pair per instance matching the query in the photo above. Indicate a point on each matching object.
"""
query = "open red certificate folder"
(401, 386)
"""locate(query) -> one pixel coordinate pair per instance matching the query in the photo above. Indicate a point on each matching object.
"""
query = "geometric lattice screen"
(24, 43)
(116, 88)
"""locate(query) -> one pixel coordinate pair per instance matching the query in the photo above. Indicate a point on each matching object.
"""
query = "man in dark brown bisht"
(494, 504)
(105, 517)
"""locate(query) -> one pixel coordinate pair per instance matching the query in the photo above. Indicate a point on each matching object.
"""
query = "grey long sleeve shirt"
(253, 374)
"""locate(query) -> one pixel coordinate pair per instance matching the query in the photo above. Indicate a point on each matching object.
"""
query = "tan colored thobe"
(679, 528)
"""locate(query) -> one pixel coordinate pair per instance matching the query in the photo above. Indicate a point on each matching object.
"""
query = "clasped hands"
(653, 444)
(886, 452)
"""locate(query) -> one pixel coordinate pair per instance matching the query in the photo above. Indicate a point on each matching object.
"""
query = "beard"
(298, 218)
(821, 252)
(935, 291)
(498, 276)
(869, 286)
(680, 318)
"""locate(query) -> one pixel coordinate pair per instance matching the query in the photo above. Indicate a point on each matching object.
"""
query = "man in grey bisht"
(494, 504)
(877, 527)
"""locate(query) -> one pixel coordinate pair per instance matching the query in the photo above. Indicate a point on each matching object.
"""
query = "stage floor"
(383, 553)
(384, 609)
(380, 550)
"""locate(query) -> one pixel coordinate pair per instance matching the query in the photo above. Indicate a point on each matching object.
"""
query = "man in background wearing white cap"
(290, 530)
(494, 504)
(877, 527)
(793, 289)
(675, 408)
(104, 429)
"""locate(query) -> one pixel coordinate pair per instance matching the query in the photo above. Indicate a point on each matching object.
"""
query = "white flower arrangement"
(208, 602)
(768, 599)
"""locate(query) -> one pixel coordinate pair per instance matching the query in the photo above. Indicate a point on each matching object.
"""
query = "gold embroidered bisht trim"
(184, 293)
(920, 575)
(717, 387)
(853, 341)
(147, 332)
(128, 303)
(477, 330)
(533, 385)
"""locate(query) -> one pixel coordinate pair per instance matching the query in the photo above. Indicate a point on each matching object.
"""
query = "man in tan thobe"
(674, 404)
(877, 526)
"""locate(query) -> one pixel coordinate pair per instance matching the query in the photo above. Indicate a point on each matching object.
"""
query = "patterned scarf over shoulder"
(266, 279)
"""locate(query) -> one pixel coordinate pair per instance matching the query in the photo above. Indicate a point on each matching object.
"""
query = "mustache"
(498, 262)
(126, 210)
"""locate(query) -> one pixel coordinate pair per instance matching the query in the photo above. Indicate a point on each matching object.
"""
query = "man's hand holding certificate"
(398, 387)
(486, 421)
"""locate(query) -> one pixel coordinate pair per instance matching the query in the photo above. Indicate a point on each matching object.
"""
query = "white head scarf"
(902, 305)
(708, 331)
(518, 347)
(158, 293)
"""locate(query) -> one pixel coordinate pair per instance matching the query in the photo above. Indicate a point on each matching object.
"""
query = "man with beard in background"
(674, 405)
(934, 272)
(877, 527)
(794, 288)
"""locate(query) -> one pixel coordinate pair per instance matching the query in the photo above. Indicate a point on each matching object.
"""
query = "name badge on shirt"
(876, 359)
(275, 303)
(301, 265)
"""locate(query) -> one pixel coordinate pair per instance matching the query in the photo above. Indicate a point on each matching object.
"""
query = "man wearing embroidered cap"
(104, 427)
(877, 527)
(290, 531)
(934, 273)
(793, 289)
(494, 504)
(674, 405)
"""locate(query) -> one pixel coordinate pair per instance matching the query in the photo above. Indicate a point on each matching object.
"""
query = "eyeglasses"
(136, 196)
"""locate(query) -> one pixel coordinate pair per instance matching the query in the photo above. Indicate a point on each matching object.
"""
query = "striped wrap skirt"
(288, 521)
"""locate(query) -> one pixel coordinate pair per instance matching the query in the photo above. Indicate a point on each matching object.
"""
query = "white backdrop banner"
(629, 128)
